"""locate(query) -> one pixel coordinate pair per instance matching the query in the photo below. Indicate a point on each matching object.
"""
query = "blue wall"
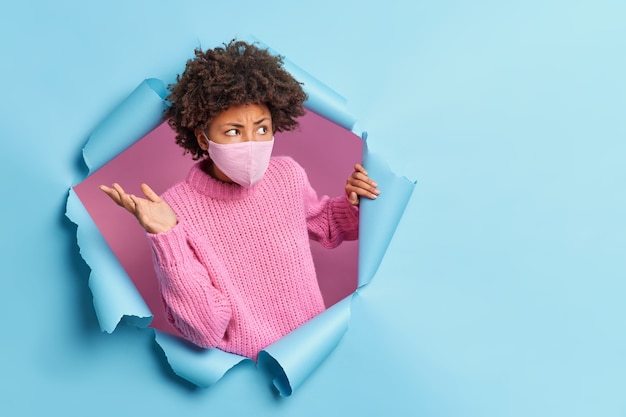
(502, 292)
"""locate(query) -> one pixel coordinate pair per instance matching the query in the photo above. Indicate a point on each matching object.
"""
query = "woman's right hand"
(153, 213)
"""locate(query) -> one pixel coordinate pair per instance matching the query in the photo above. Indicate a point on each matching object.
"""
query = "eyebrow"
(258, 122)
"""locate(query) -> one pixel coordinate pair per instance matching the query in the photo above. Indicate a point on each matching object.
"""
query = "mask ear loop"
(206, 138)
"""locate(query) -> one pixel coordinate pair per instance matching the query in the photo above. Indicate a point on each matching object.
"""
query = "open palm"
(152, 212)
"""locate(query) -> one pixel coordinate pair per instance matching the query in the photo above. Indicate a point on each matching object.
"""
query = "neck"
(209, 167)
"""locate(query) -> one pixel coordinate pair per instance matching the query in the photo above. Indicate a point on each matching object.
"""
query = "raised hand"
(153, 213)
(360, 185)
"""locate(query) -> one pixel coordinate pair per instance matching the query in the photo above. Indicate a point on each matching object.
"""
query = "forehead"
(243, 114)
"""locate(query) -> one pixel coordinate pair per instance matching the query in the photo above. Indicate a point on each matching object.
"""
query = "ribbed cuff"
(347, 217)
(170, 248)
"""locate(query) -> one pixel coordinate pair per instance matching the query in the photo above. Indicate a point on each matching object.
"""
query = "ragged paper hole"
(326, 151)
(115, 153)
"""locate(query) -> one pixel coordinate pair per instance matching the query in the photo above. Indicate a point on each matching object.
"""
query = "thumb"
(148, 192)
(353, 198)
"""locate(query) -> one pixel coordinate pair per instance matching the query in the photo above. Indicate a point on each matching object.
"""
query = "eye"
(231, 132)
(262, 130)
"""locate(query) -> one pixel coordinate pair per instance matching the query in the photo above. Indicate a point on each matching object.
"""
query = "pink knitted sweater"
(236, 272)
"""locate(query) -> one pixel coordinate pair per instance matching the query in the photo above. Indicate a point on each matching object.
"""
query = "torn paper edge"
(114, 294)
(116, 297)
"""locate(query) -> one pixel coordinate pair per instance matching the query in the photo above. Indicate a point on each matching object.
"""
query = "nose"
(248, 136)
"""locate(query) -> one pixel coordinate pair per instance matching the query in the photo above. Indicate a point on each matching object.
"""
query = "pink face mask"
(242, 162)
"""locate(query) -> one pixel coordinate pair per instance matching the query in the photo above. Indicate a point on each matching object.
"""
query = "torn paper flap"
(293, 358)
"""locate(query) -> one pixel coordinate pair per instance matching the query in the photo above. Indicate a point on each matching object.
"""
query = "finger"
(119, 189)
(360, 168)
(362, 184)
(361, 173)
(131, 204)
(362, 177)
(363, 192)
(148, 192)
(113, 194)
(137, 203)
(142, 210)
(125, 199)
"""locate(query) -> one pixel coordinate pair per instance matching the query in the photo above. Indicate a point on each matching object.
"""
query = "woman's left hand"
(360, 185)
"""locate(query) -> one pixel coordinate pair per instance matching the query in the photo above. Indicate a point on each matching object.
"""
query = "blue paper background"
(502, 291)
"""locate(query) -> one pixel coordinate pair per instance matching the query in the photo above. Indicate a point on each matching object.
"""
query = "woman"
(231, 243)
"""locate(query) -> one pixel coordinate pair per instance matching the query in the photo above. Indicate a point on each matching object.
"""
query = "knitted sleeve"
(330, 221)
(193, 305)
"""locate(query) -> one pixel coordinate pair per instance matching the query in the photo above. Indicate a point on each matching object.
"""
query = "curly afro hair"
(238, 73)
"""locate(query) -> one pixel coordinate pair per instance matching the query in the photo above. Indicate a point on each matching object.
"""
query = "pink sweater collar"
(209, 186)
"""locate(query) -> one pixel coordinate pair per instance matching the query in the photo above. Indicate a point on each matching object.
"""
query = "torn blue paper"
(321, 98)
(202, 367)
(114, 294)
(131, 120)
(379, 218)
(291, 359)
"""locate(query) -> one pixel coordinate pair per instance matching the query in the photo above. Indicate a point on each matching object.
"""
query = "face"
(241, 123)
